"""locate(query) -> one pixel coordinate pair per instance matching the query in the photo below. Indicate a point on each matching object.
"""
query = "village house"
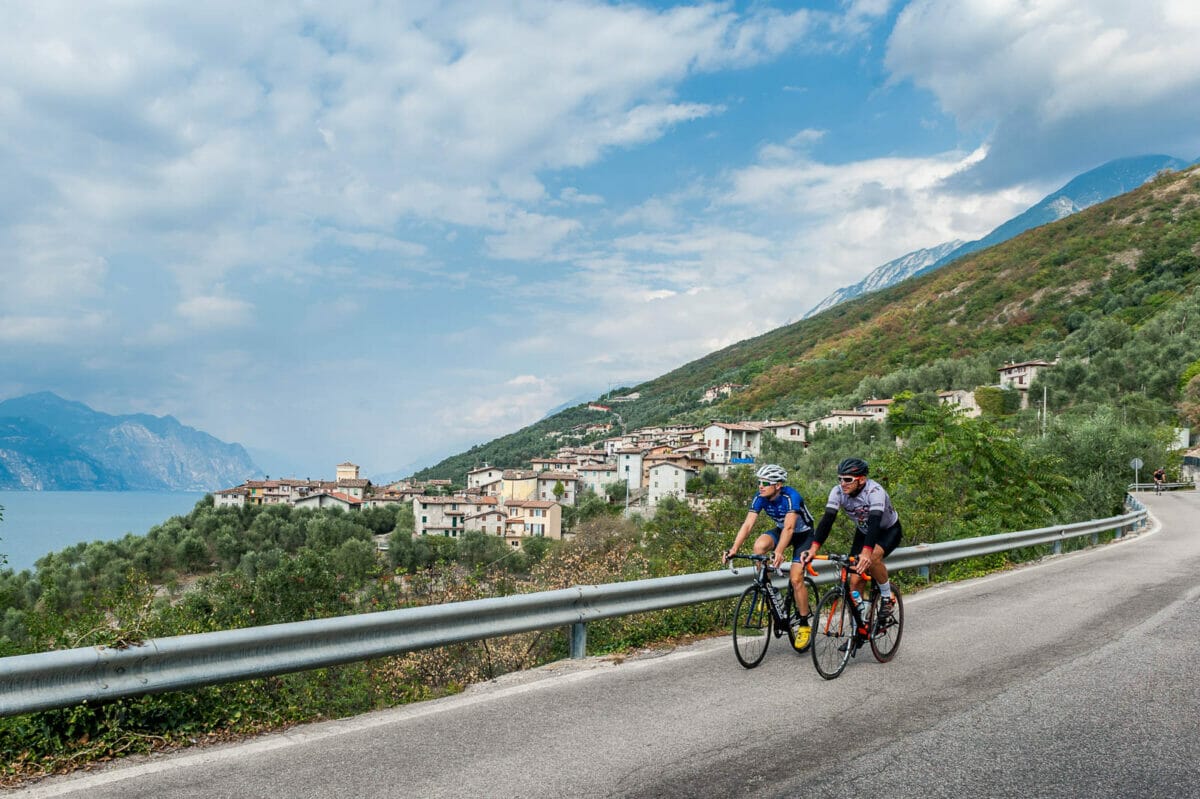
(328, 500)
(681, 459)
(488, 522)
(732, 443)
(715, 392)
(551, 464)
(629, 466)
(836, 420)
(595, 477)
(1020, 376)
(962, 400)
(667, 479)
(533, 518)
(231, 497)
(876, 408)
(791, 431)
(483, 475)
(518, 484)
(442, 515)
(547, 481)
(583, 456)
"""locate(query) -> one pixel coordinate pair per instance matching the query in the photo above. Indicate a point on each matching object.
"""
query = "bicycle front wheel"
(752, 622)
(885, 635)
(832, 634)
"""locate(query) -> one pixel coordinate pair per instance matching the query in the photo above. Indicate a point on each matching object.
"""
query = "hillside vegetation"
(1083, 289)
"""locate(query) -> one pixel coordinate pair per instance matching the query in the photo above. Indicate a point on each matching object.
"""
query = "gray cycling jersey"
(858, 507)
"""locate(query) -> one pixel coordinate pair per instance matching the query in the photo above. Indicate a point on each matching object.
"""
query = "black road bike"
(840, 628)
(764, 612)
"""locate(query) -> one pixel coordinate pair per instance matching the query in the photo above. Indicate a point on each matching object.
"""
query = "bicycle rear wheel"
(752, 622)
(885, 637)
(832, 634)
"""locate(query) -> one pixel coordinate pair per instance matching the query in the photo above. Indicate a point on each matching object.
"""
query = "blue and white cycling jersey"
(788, 500)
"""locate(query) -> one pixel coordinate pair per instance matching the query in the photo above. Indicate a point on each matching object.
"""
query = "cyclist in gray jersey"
(877, 526)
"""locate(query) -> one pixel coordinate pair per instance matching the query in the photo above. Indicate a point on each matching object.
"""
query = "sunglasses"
(847, 479)
(762, 483)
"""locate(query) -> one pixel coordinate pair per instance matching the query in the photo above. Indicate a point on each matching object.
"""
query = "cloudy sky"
(385, 232)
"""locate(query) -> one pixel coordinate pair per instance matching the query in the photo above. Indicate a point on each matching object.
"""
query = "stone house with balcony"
(447, 516)
(1020, 376)
(876, 408)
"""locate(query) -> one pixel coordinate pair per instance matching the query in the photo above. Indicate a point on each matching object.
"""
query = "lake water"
(36, 523)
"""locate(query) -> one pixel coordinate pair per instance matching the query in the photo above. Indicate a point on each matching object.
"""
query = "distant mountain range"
(1096, 186)
(48, 443)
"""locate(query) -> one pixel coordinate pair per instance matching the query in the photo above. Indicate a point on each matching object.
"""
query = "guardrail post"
(578, 640)
(1095, 539)
(924, 572)
(1058, 547)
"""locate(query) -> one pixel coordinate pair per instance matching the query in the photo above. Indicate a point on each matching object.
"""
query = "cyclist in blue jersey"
(877, 526)
(793, 526)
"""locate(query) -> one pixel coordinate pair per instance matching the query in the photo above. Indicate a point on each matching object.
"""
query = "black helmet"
(854, 466)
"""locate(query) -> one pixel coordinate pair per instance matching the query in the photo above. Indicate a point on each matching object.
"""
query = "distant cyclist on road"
(794, 526)
(1160, 475)
(878, 527)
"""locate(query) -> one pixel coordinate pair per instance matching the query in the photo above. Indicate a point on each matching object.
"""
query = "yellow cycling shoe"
(803, 634)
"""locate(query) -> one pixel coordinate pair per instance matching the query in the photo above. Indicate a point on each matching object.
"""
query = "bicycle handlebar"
(845, 560)
(765, 559)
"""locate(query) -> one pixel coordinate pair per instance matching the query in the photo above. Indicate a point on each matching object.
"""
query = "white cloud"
(507, 405)
(214, 312)
(529, 237)
(18, 330)
(1061, 85)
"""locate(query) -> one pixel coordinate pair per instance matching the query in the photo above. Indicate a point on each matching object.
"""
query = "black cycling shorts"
(801, 540)
(888, 540)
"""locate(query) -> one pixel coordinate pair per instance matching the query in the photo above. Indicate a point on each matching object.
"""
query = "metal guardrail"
(1165, 487)
(68, 677)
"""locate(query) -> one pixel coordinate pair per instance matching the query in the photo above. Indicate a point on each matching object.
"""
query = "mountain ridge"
(1110, 179)
(51, 443)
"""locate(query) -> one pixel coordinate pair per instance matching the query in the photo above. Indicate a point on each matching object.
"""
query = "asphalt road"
(1075, 677)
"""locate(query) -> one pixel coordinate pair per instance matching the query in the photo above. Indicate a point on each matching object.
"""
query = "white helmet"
(772, 473)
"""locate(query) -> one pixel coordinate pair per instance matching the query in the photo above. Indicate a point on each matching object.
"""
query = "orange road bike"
(764, 612)
(840, 628)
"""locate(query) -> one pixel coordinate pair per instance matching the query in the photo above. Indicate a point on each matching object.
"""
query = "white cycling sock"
(885, 589)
